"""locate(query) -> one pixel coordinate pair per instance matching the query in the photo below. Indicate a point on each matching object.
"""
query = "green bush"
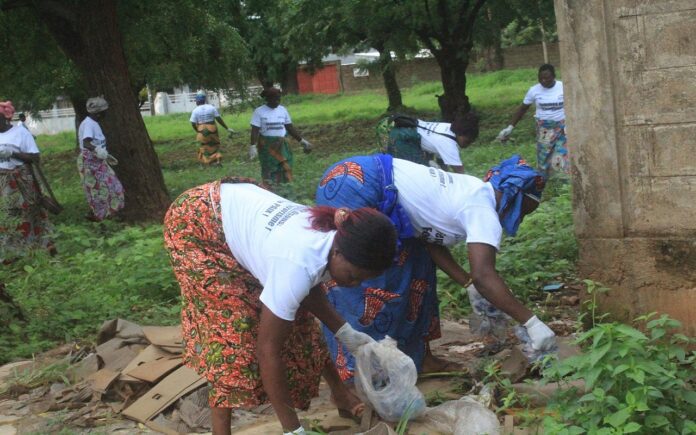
(638, 382)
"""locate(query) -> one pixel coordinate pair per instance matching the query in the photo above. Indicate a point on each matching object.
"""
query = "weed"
(637, 382)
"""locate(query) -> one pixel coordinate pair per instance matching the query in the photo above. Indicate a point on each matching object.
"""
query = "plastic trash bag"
(465, 416)
(485, 318)
(386, 378)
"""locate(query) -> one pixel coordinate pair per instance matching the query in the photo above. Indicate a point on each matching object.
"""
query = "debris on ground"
(133, 382)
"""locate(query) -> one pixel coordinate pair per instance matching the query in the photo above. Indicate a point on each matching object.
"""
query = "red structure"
(323, 81)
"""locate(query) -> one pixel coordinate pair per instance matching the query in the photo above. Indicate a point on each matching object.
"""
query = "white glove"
(253, 152)
(299, 431)
(231, 132)
(505, 133)
(351, 338)
(306, 146)
(101, 153)
(542, 336)
(5, 153)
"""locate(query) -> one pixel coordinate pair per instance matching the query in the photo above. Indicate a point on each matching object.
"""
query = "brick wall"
(419, 70)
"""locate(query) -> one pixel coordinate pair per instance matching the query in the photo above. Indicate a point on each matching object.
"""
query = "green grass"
(106, 270)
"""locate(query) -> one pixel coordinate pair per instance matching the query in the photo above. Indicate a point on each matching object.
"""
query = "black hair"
(466, 124)
(548, 67)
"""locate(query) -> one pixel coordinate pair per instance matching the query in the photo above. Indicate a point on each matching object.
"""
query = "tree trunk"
(388, 69)
(78, 104)
(453, 72)
(289, 83)
(91, 38)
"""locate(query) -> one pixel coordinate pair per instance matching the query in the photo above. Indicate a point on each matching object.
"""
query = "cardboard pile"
(138, 372)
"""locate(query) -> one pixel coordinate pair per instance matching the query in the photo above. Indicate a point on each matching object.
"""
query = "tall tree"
(446, 28)
(90, 49)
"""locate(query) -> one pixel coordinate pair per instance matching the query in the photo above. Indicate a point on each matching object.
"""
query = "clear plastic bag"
(386, 378)
(465, 416)
(485, 318)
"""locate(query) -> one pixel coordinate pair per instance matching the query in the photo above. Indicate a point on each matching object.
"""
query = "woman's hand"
(351, 338)
(543, 338)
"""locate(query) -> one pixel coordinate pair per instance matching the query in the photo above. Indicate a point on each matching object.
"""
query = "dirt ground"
(30, 411)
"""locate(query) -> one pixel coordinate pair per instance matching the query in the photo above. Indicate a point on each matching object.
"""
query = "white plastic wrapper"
(386, 378)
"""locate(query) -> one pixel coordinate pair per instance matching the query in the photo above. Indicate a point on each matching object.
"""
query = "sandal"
(354, 414)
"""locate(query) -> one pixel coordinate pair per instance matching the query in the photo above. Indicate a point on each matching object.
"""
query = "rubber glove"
(299, 431)
(351, 338)
(5, 153)
(253, 152)
(101, 153)
(541, 335)
(505, 133)
(231, 132)
(306, 146)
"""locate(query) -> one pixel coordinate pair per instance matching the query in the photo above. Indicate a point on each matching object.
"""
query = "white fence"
(57, 120)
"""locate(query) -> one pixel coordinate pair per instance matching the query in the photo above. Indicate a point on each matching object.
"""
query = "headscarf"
(7, 109)
(96, 105)
(515, 179)
(200, 97)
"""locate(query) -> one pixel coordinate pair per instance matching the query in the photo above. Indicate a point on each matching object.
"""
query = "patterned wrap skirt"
(24, 224)
(209, 149)
(103, 190)
(221, 309)
(276, 159)
(552, 152)
(401, 303)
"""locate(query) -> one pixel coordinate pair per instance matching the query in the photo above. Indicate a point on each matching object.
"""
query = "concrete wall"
(629, 73)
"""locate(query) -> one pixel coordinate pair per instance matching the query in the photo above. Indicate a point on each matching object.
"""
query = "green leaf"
(618, 418)
(630, 332)
(653, 421)
(631, 427)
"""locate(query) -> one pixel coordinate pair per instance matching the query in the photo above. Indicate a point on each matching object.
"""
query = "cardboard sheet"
(157, 399)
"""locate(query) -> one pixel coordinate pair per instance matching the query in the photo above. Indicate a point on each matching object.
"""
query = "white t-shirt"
(204, 114)
(548, 101)
(19, 140)
(447, 208)
(271, 238)
(89, 128)
(271, 122)
(433, 142)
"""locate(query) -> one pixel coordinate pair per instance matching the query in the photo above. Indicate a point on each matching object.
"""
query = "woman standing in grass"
(547, 96)
(249, 264)
(103, 190)
(24, 224)
(432, 210)
(269, 125)
(203, 120)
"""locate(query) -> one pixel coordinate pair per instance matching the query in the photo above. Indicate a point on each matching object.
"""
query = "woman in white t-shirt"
(203, 120)
(250, 265)
(432, 211)
(24, 223)
(421, 141)
(547, 96)
(103, 189)
(269, 125)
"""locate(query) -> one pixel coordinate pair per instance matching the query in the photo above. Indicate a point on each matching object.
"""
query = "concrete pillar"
(629, 76)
